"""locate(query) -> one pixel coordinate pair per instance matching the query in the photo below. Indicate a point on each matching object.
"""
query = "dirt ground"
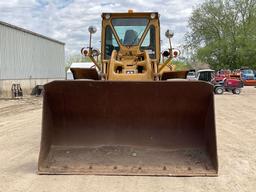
(20, 126)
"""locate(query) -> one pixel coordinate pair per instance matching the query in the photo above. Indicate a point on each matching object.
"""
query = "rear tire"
(236, 91)
(218, 90)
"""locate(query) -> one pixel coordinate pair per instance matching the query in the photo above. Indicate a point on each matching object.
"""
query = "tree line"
(223, 33)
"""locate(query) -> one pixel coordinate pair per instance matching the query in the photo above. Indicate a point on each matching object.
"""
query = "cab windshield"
(130, 30)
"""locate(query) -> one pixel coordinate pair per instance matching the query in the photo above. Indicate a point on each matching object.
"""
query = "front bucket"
(128, 128)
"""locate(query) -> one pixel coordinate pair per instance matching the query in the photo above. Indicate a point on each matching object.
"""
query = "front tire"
(218, 90)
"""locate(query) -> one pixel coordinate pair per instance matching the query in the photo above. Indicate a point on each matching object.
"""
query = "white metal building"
(28, 58)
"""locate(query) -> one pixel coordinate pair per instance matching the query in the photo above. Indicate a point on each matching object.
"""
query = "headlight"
(95, 52)
(84, 52)
(153, 16)
(107, 16)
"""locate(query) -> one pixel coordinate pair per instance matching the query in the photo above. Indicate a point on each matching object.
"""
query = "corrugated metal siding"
(25, 56)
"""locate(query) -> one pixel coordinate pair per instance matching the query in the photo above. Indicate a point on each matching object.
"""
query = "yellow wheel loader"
(131, 114)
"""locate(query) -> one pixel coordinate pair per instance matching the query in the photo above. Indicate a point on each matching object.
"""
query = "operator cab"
(130, 35)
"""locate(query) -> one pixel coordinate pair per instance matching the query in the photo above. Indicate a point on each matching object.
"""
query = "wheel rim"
(219, 91)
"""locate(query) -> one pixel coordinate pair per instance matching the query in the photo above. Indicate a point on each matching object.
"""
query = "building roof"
(30, 32)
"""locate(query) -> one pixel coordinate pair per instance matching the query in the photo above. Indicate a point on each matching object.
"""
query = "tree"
(223, 33)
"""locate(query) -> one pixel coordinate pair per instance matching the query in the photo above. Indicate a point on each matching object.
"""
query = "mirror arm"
(169, 34)
(92, 30)
(93, 59)
(165, 63)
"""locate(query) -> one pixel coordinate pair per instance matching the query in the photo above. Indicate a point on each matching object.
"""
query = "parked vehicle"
(219, 76)
(247, 74)
(222, 74)
(226, 84)
(191, 75)
(248, 77)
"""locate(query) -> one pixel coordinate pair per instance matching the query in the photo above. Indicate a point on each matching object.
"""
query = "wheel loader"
(131, 114)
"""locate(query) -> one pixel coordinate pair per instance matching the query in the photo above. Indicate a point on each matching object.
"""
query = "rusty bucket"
(164, 128)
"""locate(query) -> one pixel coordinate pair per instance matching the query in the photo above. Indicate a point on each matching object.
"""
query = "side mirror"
(92, 29)
(169, 34)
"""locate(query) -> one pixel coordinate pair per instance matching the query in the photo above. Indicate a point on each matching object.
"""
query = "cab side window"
(110, 43)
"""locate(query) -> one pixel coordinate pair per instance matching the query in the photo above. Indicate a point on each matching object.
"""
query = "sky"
(68, 20)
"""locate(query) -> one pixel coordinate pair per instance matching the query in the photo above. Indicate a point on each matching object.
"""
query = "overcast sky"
(68, 20)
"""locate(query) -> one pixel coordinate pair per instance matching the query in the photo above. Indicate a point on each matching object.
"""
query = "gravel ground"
(20, 126)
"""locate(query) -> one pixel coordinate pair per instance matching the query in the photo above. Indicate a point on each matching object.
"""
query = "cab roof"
(131, 14)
